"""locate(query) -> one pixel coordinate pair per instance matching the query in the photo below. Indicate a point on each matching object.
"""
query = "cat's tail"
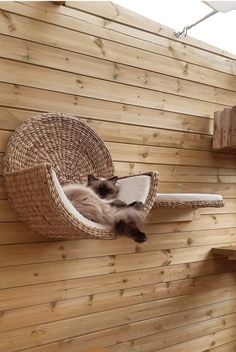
(127, 222)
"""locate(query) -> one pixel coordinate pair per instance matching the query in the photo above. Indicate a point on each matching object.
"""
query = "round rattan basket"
(70, 146)
(51, 149)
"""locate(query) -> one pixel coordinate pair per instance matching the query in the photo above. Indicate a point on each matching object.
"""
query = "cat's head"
(105, 188)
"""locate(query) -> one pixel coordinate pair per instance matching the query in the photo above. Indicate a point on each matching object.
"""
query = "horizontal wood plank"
(13, 275)
(116, 13)
(72, 19)
(40, 100)
(26, 51)
(153, 155)
(44, 78)
(153, 288)
(56, 251)
(73, 41)
(207, 341)
(115, 132)
(107, 337)
(24, 337)
(227, 347)
(161, 295)
(176, 336)
(151, 97)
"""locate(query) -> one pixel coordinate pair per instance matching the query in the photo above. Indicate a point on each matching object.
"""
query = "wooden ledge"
(229, 252)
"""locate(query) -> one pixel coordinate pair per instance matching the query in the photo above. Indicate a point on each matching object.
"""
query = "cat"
(98, 201)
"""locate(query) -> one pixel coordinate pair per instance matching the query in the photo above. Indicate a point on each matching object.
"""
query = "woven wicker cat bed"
(54, 149)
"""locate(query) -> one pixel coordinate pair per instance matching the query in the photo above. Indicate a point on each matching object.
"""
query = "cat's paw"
(140, 238)
(137, 205)
(118, 203)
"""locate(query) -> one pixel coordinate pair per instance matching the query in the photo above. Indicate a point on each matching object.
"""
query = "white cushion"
(189, 197)
(135, 188)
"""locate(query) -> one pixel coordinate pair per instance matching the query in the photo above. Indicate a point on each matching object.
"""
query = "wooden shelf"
(224, 135)
(229, 252)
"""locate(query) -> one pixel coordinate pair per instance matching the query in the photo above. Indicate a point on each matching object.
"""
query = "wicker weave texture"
(73, 150)
(34, 198)
(189, 204)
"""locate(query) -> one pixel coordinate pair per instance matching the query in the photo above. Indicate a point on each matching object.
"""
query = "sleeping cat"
(98, 202)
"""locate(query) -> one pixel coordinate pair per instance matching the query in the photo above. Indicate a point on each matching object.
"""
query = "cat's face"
(105, 188)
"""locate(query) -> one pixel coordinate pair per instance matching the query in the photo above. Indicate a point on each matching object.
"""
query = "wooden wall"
(151, 98)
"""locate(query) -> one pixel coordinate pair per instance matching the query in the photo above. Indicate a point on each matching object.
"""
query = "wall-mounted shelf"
(188, 200)
(229, 252)
(179, 207)
(224, 135)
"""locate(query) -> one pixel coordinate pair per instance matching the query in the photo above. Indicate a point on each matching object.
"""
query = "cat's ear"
(91, 179)
(113, 179)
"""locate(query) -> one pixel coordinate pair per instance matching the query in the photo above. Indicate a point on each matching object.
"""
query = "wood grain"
(152, 98)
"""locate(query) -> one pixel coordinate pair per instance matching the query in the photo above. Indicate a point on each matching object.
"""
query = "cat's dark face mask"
(105, 188)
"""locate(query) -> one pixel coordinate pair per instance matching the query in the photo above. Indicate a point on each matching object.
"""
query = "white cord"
(184, 32)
